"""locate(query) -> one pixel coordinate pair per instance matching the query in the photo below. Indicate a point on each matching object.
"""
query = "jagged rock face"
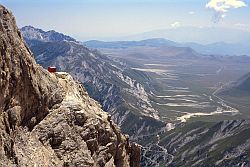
(27, 91)
(48, 119)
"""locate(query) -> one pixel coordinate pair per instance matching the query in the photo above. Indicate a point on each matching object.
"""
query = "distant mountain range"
(219, 48)
(155, 42)
(202, 35)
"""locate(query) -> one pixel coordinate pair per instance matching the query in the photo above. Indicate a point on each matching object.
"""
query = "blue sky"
(107, 19)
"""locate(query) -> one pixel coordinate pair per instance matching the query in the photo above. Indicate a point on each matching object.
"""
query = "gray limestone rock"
(47, 119)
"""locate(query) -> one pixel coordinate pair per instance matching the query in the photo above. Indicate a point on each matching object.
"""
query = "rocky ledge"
(47, 119)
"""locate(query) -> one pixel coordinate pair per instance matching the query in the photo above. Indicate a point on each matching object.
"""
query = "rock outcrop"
(49, 119)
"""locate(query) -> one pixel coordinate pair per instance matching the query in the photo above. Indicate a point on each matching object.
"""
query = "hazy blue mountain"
(222, 48)
(219, 48)
(125, 44)
(202, 35)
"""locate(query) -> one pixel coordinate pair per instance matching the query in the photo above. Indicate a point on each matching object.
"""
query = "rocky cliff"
(49, 119)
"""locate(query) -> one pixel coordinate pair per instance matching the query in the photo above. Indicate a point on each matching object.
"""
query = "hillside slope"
(108, 81)
(49, 119)
(241, 87)
(218, 48)
(201, 144)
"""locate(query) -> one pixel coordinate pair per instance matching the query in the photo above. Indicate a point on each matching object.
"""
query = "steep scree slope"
(48, 119)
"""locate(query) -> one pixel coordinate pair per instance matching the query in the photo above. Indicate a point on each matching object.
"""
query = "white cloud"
(223, 15)
(224, 5)
(220, 7)
(191, 12)
(176, 24)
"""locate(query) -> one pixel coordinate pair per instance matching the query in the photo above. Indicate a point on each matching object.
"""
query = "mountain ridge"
(39, 34)
(204, 35)
(217, 48)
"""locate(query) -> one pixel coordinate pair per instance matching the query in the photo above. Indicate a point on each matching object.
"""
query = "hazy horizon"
(125, 20)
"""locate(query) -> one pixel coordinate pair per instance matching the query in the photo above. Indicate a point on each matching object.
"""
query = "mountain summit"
(47, 119)
(32, 33)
